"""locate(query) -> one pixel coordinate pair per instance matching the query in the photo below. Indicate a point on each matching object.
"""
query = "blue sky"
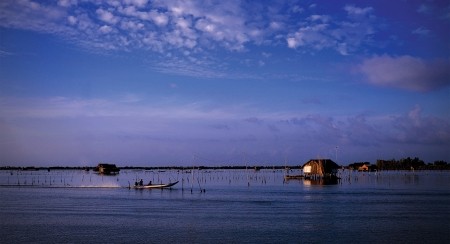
(140, 82)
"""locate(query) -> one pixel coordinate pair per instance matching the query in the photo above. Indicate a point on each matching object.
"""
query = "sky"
(165, 83)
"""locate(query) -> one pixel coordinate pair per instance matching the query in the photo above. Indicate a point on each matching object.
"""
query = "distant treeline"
(411, 163)
(403, 164)
(154, 167)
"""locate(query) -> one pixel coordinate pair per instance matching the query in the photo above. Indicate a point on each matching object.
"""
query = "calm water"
(237, 206)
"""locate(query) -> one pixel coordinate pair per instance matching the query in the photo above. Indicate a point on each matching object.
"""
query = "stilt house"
(320, 168)
(107, 169)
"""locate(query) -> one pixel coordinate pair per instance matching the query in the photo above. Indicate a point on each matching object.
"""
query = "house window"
(307, 169)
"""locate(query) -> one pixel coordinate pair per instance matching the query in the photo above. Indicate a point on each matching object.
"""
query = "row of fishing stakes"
(36, 180)
(237, 176)
(193, 179)
(202, 190)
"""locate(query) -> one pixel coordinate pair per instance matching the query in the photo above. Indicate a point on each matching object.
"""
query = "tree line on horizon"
(404, 164)
(392, 164)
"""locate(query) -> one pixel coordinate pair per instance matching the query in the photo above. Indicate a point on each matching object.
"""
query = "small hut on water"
(320, 168)
(107, 169)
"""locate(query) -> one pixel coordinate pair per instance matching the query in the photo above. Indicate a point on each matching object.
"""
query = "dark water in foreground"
(236, 207)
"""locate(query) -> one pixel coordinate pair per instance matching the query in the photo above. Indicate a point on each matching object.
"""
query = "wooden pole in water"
(192, 180)
(182, 180)
(199, 186)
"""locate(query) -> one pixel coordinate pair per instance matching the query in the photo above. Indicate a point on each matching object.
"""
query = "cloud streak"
(226, 131)
(406, 72)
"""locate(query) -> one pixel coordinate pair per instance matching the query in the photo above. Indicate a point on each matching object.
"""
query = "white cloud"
(276, 25)
(157, 25)
(345, 36)
(197, 67)
(105, 29)
(424, 9)
(266, 54)
(297, 9)
(342, 49)
(311, 36)
(319, 18)
(86, 24)
(153, 41)
(138, 3)
(30, 15)
(205, 26)
(107, 16)
(406, 72)
(421, 31)
(129, 10)
(414, 127)
(200, 27)
(67, 3)
(221, 23)
(159, 18)
(292, 42)
(356, 11)
(183, 23)
(5, 53)
(72, 20)
(131, 25)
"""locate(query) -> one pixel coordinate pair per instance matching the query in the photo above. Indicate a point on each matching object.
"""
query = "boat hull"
(156, 186)
(293, 177)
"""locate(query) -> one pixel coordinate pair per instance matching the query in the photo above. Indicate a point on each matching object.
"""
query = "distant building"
(364, 167)
(107, 169)
(320, 168)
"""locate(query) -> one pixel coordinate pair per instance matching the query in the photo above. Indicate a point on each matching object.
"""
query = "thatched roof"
(320, 167)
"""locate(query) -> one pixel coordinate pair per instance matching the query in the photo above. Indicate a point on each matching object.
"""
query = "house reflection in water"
(321, 181)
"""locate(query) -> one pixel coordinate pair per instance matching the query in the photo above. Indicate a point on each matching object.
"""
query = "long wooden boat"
(155, 186)
(293, 177)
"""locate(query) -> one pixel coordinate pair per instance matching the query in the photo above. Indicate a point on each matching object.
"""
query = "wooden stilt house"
(320, 168)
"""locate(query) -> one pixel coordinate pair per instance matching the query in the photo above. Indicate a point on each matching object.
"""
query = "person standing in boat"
(141, 182)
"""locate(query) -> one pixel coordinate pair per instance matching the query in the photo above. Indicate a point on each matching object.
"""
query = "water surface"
(232, 206)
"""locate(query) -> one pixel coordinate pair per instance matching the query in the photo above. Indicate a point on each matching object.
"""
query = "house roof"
(326, 165)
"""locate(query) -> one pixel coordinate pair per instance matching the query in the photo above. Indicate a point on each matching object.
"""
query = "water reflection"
(321, 181)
